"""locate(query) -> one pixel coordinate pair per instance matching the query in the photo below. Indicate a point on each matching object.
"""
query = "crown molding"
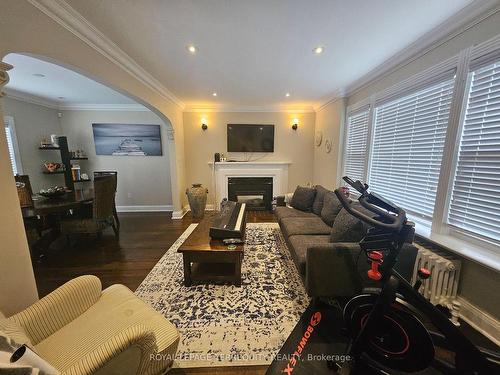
(66, 16)
(243, 109)
(52, 104)
(103, 107)
(337, 95)
(32, 99)
(463, 20)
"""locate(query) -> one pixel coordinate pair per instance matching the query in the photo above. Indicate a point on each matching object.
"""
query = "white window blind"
(10, 145)
(356, 145)
(408, 142)
(475, 202)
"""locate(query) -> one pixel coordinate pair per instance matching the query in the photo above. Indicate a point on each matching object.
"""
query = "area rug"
(225, 325)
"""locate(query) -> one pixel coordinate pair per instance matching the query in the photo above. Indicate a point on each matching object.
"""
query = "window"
(356, 150)
(475, 202)
(408, 144)
(10, 134)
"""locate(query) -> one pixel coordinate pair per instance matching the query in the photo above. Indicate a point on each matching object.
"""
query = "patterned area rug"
(224, 325)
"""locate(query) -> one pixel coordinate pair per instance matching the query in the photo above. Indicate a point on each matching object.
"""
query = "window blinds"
(10, 145)
(408, 145)
(356, 144)
(475, 202)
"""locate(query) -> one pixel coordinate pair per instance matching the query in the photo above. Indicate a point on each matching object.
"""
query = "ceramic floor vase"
(197, 198)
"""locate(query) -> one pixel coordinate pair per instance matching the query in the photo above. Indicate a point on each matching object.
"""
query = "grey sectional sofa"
(323, 241)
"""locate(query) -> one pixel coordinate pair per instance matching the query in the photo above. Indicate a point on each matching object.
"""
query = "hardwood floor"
(144, 238)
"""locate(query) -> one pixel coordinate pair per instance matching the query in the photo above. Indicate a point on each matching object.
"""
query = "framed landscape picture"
(127, 139)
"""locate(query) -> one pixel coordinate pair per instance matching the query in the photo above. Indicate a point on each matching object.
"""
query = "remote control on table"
(232, 241)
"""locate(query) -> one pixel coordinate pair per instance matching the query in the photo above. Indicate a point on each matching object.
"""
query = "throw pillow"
(347, 228)
(303, 198)
(318, 200)
(331, 208)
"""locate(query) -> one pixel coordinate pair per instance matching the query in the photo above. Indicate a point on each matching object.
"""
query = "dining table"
(50, 211)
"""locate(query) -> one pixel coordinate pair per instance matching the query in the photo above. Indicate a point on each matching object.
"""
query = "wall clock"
(328, 146)
(318, 138)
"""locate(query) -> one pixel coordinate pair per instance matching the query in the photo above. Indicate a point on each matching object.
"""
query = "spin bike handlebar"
(389, 216)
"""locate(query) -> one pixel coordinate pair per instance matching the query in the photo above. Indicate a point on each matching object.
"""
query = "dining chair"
(102, 211)
(114, 174)
(25, 193)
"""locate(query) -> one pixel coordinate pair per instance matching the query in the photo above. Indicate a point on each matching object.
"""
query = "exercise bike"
(386, 333)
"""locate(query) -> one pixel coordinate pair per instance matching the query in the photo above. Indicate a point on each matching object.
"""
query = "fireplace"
(256, 192)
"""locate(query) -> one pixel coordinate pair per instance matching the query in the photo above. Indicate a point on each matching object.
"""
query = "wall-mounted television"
(250, 138)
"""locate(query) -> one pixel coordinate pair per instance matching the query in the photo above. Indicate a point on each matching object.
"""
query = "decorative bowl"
(52, 167)
(53, 192)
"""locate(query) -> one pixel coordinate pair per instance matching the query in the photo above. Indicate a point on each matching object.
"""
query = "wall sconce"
(295, 123)
(204, 125)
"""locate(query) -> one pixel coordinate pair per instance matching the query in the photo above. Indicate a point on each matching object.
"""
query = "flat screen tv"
(250, 138)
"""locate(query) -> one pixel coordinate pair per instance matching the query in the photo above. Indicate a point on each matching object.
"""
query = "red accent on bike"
(424, 273)
(376, 258)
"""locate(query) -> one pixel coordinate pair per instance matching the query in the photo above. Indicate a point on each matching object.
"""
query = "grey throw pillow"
(303, 198)
(318, 200)
(347, 228)
(331, 208)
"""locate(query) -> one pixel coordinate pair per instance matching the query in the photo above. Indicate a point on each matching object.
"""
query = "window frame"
(9, 121)
(469, 245)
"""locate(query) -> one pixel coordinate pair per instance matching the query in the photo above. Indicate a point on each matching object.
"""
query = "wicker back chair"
(24, 190)
(114, 174)
(102, 212)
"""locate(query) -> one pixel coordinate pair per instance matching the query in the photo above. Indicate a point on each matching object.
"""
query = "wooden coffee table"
(207, 260)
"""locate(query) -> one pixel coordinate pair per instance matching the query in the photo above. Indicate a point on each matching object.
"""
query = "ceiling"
(251, 53)
(59, 87)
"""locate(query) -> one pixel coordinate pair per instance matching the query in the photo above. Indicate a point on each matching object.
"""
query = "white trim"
(103, 107)
(480, 320)
(28, 98)
(154, 208)
(243, 109)
(74, 22)
(52, 104)
(468, 17)
(336, 95)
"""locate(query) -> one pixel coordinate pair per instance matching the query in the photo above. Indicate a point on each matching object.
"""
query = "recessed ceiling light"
(319, 50)
(287, 94)
(192, 49)
(39, 75)
(214, 94)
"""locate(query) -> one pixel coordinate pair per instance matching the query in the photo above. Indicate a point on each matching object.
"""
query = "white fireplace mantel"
(278, 170)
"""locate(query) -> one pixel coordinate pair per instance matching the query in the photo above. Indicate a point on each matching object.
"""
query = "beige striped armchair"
(81, 329)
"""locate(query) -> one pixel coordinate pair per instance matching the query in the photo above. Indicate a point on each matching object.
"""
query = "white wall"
(143, 181)
(289, 145)
(32, 123)
(329, 121)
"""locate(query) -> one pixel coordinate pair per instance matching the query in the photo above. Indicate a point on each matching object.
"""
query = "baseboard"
(156, 208)
(479, 320)
(209, 207)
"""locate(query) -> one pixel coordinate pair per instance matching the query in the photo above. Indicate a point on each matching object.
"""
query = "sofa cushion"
(304, 225)
(303, 198)
(299, 246)
(347, 228)
(282, 212)
(331, 208)
(318, 199)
